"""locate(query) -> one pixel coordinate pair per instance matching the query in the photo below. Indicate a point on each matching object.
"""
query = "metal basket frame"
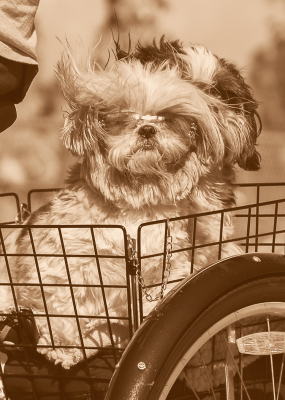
(251, 239)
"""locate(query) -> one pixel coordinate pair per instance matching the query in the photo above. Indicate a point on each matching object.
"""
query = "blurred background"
(249, 33)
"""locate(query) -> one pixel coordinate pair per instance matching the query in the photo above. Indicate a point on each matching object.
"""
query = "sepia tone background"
(249, 33)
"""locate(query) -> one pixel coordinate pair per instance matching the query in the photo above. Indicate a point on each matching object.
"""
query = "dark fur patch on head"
(159, 53)
(154, 53)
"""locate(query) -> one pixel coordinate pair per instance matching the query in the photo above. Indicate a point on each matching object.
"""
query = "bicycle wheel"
(226, 354)
(227, 348)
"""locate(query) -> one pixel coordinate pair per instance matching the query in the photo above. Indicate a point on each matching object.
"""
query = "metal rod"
(271, 364)
(280, 378)
(229, 366)
(221, 236)
(257, 217)
(232, 356)
(248, 229)
(135, 303)
(189, 383)
(241, 364)
(206, 372)
(193, 245)
(274, 228)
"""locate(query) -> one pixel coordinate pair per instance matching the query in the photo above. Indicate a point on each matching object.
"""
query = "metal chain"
(166, 274)
(23, 214)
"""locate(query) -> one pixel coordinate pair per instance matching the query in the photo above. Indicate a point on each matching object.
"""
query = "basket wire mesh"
(259, 226)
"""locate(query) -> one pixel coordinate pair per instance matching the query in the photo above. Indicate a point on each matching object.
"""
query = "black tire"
(254, 281)
(263, 293)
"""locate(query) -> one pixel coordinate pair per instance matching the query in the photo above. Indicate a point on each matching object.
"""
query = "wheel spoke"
(271, 362)
(208, 378)
(236, 366)
(241, 365)
(280, 377)
(191, 387)
(229, 366)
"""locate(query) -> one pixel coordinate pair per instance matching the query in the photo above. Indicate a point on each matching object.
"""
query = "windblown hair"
(168, 77)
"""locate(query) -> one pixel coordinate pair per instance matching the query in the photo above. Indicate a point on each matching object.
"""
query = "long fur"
(126, 178)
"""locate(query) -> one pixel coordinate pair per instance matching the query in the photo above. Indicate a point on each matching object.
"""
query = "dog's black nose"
(147, 131)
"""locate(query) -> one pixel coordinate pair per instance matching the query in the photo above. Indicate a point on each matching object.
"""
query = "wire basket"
(259, 226)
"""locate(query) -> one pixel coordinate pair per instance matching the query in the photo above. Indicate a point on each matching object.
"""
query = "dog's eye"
(172, 118)
(118, 120)
(167, 117)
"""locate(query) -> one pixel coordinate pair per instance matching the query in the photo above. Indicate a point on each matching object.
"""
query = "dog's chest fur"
(81, 205)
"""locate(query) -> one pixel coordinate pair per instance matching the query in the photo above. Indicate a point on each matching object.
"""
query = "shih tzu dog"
(159, 133)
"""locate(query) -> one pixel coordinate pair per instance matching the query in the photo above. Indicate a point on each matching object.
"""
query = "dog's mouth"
(145, 145)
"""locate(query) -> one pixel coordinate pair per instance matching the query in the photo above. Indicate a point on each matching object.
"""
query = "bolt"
(257, 259)
(141, 365)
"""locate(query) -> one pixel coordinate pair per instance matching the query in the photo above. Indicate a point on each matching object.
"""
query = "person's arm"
(18, 62)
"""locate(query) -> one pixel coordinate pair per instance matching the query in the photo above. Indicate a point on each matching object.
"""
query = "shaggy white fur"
(134, 169)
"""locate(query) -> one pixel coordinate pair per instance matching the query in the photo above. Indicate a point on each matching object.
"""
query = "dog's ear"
(81, 126)
(233, 91)
(231, 103)
(78, 134)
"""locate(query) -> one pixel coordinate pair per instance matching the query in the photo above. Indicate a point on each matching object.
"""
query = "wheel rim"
(270, 314)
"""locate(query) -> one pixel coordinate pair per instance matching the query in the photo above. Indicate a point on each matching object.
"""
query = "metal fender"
(154, 340)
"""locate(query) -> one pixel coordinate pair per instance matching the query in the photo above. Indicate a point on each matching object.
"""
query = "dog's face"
(144, 132)
(161, 116)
